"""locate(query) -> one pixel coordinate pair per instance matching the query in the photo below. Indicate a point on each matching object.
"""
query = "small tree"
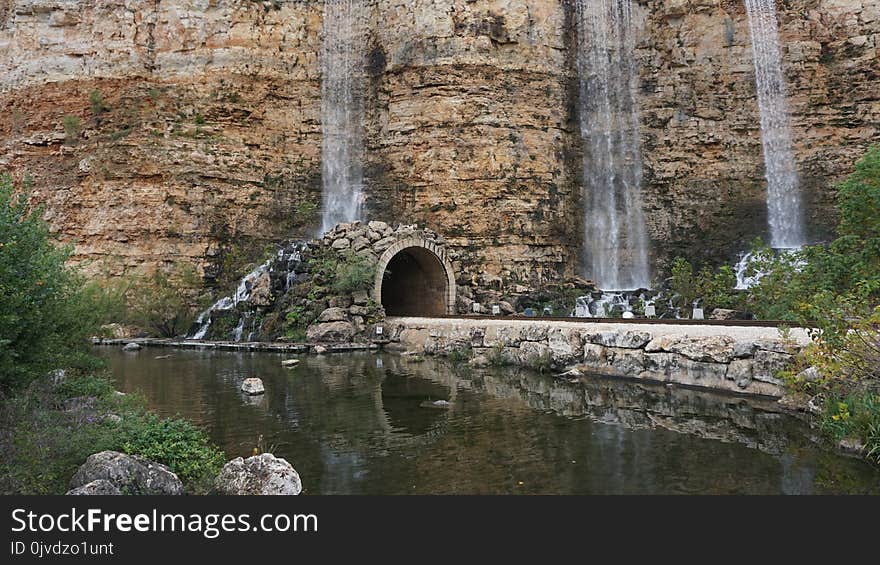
(159, 302)
(44, 317)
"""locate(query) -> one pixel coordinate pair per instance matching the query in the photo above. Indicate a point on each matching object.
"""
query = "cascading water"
(615, 242)
(342, 110)
(284, 266)
(783, 191)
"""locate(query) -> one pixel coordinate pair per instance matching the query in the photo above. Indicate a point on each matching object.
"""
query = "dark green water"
(356, 424)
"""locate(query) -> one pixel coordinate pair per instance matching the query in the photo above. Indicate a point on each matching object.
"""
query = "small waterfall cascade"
(343, 68)
(748, 275)
(615, 240)
(282, 270)
(783, 191)
(608, 304)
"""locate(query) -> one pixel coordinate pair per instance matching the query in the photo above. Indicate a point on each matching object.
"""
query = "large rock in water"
(261, 474)
(101, 487)
(128, 473)
(331, 332)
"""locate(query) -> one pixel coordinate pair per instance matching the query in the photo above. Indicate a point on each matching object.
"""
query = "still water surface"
(358, 424)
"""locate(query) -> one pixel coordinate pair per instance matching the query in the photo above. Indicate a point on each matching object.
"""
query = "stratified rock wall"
(205, 144)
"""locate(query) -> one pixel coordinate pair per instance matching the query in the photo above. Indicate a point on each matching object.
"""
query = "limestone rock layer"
(189, 131)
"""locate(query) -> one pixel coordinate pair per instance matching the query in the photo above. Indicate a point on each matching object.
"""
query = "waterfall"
(284, 266)
(615, 242)
(342, 110)
(783, 192)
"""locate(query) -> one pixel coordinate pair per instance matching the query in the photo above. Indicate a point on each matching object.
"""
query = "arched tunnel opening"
(415, 284)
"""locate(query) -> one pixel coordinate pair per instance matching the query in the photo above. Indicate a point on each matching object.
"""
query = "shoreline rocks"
(129, 474)
(262, 474)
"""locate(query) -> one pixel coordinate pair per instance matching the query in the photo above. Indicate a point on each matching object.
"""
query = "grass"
(49, 431)
(855, 417)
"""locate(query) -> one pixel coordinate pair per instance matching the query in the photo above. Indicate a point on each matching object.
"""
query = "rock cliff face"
(189, 131)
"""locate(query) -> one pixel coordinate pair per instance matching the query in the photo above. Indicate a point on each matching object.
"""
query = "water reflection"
(357, 424)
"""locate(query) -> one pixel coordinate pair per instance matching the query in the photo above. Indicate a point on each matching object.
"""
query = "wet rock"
(261, 291)
(290, 363)
(252, 386)
(335, 314)
(320, 349)
(331, 332)
(258, 475)
(132, 346)
(128, 473)
(99, 487)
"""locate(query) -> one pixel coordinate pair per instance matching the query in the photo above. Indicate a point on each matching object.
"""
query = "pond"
(367, 424)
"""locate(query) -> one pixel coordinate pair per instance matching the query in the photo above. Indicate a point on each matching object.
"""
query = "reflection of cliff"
(354, 424)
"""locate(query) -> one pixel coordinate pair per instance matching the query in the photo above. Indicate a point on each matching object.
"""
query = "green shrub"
(42, 445)
(45, 319)
(854, 417)
(96, 101)
(72, 128)
(180, 445)
(355, 272)
(713, 289)
(160, 302)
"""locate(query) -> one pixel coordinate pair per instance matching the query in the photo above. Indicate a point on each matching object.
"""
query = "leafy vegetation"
(159, 303)
(344, 272)
(49, 431)
(72, 128)
(45, 317)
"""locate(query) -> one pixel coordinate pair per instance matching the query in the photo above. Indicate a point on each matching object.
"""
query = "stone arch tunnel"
(415, 278)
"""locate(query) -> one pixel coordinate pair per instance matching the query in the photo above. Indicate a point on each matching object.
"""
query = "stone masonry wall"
(741, 360)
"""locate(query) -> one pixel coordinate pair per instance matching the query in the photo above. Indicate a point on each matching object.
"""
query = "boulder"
(131, 347)
(708, 349)
(506, 308)
(331, 332)
(258, 475)
(359, 243)
(380, 227)
(100, 487)
(335, 314)
(252, 386)
(341, 243)
(261, 291)
(290, 363)
(725, 314)
(130, 474)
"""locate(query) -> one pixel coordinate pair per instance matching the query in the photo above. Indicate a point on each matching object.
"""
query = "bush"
(45, 319)
(72, 128)
(355, 272)
(854, 417)
(159, 302)
(180, 445)
(42, 446)
(711, 289)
